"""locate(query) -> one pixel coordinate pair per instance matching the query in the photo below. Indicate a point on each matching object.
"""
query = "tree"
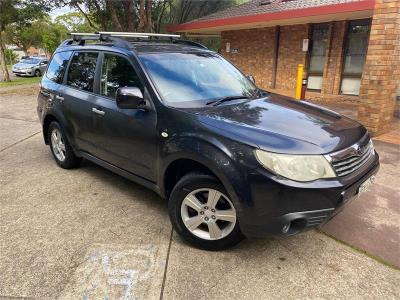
(18, 13)
(24, 37)
(142, 15)
(52, 36)
(76, 22)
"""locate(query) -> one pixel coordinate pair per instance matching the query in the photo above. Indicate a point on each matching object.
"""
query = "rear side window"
(117, 72)
(55, 71)
(81, 71)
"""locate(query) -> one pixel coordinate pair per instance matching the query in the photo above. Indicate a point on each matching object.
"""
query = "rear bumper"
(278, 209)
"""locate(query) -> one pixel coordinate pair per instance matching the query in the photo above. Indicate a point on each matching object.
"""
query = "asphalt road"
(90, 234)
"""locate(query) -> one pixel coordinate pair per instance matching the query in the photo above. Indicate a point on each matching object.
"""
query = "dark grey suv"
(230, 159)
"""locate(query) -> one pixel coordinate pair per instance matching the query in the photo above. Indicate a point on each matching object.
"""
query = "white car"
(31, 66)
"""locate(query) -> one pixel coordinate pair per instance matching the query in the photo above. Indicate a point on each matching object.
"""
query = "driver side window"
(117, 72)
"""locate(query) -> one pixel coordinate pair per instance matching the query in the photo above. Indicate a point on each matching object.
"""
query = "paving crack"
(365, 252)
(20, 141)
(17, 119)
(166, 266)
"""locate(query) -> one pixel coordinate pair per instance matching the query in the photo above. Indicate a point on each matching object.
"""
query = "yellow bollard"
(300, 70)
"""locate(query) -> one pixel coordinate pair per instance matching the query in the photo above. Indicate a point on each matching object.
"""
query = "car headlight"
(296, 167)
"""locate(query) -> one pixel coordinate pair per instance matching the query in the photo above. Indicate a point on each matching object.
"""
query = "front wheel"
(203, 214)
(38, 73)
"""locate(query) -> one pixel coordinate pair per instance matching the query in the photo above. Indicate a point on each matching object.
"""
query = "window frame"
(100, 65)
(344, 75)
(96, 71)
(66, 68)
(310, 73)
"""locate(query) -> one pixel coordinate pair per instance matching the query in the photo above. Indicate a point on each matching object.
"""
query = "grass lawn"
(20, 80)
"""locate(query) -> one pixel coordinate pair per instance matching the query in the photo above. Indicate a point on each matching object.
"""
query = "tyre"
(61, 148)
(38, 73)
(202, 213)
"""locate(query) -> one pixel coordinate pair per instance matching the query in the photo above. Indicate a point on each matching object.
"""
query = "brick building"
(350, 50)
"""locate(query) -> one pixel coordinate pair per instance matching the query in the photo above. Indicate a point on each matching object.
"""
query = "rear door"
(126, 138)
(79, 97)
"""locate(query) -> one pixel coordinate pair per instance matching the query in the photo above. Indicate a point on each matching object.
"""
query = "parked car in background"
(31, 66)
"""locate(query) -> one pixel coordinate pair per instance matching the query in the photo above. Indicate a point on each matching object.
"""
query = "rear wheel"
(203, 214)
(60, 148)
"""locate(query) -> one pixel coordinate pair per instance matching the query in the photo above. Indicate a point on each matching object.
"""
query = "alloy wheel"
(58, 145)
(208, 214)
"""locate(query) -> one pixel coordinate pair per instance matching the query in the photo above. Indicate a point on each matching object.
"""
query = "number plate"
(365, 185)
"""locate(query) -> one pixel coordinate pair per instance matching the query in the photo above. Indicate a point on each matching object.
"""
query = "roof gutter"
(364, 5)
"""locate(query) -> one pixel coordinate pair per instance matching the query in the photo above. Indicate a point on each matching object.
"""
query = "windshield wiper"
(225, 99)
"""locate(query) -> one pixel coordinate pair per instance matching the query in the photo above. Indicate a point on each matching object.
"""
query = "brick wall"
(255, 57)
(381, 76)
(255, 54)
(290, 55)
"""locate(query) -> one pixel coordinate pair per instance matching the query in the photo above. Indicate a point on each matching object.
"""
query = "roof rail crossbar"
(119, 42)
(78, 36)
(138, 34)
(81, 38)
(119, 38)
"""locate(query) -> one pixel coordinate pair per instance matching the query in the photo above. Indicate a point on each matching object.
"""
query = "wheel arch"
(46, 123)
(179, 168)
(214, 161)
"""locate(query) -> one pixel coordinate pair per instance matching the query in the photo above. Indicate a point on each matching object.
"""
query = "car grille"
(353, 159)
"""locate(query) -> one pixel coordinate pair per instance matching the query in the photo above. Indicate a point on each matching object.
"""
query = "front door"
(126, 138)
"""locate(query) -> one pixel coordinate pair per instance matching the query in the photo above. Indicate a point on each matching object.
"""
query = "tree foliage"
(26, 23)
(76, 22)
(10, 56)
(142, 15)
(17, 14)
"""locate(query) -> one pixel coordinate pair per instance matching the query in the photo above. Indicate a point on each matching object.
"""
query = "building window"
(317, 56)
(355, 51)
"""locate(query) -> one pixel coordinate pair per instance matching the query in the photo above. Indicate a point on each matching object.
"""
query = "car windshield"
(31, 61)
(195, 79)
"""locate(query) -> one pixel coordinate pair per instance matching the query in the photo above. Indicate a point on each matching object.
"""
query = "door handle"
(60, 98)
(98, 111)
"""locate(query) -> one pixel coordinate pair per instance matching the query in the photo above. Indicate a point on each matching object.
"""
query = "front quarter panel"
(221, 156)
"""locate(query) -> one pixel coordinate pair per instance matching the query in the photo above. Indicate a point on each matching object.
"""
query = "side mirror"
(251, 78)
(130, 98)
(42, 64)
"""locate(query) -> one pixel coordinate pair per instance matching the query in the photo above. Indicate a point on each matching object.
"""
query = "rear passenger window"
(55, 71)
(81, 71)
(117, 72)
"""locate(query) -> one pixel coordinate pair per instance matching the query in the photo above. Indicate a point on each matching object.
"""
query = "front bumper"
(286, 207)
(23, 73)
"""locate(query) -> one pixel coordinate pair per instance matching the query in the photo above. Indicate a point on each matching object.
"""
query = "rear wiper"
(225, 99)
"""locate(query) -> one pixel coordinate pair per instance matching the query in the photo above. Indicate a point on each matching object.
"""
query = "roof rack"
(121, 39)
(138, 34)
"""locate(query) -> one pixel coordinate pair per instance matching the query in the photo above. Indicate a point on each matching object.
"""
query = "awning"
(314, 14)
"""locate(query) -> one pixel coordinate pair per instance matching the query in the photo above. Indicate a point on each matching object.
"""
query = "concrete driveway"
(90, 234)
